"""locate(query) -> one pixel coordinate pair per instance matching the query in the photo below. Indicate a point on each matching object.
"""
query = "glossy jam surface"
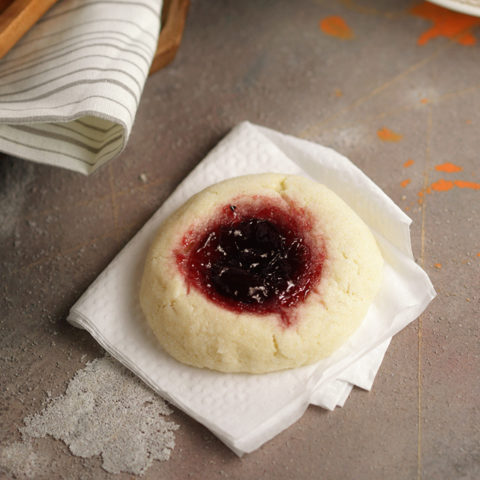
(256, 257)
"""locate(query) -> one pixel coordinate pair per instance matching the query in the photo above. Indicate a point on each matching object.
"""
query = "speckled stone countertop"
(394, 86)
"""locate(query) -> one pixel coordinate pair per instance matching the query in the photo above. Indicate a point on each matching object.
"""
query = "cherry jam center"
(255, 259)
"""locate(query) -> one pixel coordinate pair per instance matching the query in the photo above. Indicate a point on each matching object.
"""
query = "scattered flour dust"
(105, 411)
(21, 460)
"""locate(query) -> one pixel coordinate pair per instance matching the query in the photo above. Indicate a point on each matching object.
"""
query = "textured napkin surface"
(245, 411)
(69, 90)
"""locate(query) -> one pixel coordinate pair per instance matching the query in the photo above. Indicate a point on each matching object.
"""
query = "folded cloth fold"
(69, 90)
(243, 410)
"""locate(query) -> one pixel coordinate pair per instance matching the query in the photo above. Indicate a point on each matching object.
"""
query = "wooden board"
(18, 16)
(174, 15)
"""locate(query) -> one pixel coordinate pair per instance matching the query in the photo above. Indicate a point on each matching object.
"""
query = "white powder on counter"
(105, 411)
(21, 460)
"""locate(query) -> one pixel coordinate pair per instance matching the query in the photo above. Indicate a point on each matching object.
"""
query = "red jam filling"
(254, 257)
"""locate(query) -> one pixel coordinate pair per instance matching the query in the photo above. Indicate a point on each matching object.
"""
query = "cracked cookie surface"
(259, 273)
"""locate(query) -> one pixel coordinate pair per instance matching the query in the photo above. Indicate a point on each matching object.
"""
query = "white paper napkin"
(245, 411)
(69, 90)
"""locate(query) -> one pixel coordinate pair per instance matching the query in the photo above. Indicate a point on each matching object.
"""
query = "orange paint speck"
(438, 265)
(336, 26)
(466, 39)
(446, 23)
(442, 185)
(424, 100)
(338, 92)
(478, 254)
(405, 182)
(448, 167)
(408, 163)
(388, 135)
(463, 184)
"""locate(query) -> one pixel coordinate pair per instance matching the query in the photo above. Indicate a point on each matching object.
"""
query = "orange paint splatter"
(408, 163)
(463, 184)
(442, 185)
(338, 92)
(405, 182)
(478, 254)
(446, 23)
(438, 265)
(388, 135)
(448, 167)
(336, 26)
(424, 100)
(420, 194)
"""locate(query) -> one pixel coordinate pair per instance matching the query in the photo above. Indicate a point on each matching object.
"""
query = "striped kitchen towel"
(69, 90)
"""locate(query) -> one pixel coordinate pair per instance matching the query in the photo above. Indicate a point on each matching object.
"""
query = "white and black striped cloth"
(69, 90)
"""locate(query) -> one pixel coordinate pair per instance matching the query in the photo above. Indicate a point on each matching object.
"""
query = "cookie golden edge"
(198, 332)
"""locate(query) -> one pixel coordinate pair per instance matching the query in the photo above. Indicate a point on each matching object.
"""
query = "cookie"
(259, 273)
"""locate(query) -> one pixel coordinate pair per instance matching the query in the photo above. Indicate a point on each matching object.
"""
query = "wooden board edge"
(17, 19)
(174, 15)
